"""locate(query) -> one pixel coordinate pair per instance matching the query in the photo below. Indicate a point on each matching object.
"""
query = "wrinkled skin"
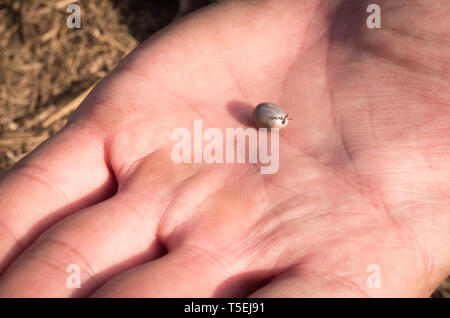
(364, 174)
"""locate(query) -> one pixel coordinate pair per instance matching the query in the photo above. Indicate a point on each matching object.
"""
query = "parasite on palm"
(269, 115)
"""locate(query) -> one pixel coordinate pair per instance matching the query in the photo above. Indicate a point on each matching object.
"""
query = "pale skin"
(364, 173)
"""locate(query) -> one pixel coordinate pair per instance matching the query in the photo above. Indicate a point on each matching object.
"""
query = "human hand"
(364, 174)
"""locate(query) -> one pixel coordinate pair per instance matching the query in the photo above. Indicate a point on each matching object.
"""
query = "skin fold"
(364, 175)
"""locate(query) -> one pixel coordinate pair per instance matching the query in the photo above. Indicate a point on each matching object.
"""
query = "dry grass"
(46, 69)
(44, 65)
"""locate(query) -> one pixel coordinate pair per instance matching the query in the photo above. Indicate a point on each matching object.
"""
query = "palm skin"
(363, 178)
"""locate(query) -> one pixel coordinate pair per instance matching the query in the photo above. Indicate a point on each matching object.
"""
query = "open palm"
(362, 187)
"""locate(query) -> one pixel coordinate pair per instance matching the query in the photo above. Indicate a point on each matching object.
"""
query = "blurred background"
(46, 69)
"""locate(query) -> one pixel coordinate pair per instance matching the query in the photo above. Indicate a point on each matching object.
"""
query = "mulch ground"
(46, 69)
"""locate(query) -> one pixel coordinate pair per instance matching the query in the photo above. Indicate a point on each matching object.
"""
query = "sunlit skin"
(364, 173)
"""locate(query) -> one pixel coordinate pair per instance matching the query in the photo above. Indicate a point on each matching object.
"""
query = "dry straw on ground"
(46, 69)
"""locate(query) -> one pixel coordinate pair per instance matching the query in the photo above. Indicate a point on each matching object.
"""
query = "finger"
(99, 241)
(295, 284)
(64, 174)
(110, 237)
(353, 277)
(206, 256)
(186, 272)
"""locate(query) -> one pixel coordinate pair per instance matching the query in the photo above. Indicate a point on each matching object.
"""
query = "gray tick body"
(269, 115)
